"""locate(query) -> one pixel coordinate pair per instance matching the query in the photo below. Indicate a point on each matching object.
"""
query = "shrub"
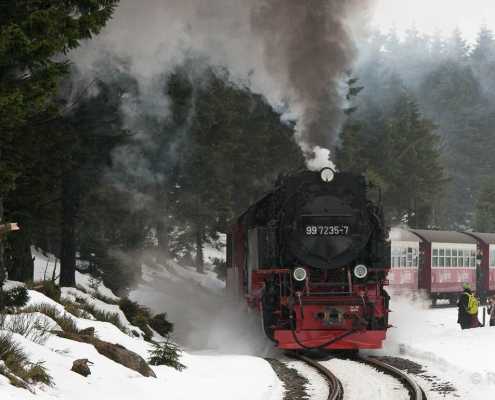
(142, 323)
(11, 352)
(137, 315)
(104, 316)
(73, 308)
(131, 309)
(16, 297)
(220, 268)
(48, 288)
(37, 372)
(105, 299)
(119, 272)
(166, 353)
(17, 366)
(33, 327)
(65, 321)
(160, 324)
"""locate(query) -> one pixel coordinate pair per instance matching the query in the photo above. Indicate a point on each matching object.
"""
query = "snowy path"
(432, 338)
(360, 382)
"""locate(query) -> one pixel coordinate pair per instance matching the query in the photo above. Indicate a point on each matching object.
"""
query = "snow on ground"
(73, 294)
(211, 252)
(206, 280)
(317, 386)
(204, 320)
(212, 332)
(47, 267)
(432, 338)
(362, 382)
(218, 377)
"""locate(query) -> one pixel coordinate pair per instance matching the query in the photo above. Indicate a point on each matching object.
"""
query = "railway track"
(415, 391)
(336, 390)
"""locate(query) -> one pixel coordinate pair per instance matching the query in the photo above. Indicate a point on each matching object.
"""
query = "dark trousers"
(468, 321)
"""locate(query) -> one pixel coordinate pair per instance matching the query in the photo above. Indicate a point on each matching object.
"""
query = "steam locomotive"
(311, 257)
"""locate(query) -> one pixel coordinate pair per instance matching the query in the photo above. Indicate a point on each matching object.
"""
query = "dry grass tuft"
(16, 366)
(32, 326)
(64, 320)
(104, 316)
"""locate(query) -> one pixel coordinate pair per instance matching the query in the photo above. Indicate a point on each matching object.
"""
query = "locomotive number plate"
(327, 230)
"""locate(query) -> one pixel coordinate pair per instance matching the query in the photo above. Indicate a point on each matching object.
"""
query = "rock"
(88, 331)
(74, 336)
(81, 367)
(127, 358)
(114, 352)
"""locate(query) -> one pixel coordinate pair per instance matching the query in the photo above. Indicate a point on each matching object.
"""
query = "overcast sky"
(435, 15)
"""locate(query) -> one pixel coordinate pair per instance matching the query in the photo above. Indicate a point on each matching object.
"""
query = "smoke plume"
(293, 52)
(308, 47)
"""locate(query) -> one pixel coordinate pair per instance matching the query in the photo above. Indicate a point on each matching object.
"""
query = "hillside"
(204, 375)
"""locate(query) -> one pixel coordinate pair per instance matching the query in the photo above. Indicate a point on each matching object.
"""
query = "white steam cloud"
(292, 52)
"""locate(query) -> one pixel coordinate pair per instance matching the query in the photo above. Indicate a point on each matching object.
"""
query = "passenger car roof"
(444, 236)
(402, 235)
(488, 238)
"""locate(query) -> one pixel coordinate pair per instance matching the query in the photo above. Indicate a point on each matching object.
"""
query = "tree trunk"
(2, 263)
(163, 241)
(70, 207)
(20, 262)
(199, 250)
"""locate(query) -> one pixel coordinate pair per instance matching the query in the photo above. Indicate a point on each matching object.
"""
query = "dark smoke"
(294, 52)
(308, 45)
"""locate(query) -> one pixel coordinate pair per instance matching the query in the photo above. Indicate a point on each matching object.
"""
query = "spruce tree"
(34, 35)
(398, 150)
(485, 207)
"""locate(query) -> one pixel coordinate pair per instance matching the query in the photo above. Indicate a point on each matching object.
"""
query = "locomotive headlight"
(360, 271)
(327, 174)
(300, 274)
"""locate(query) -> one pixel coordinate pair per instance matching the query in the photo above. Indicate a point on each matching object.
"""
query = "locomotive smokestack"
(308, 45)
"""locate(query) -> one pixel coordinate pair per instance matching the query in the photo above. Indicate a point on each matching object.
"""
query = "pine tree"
(457, 49)
(90, 133)
(437, 47)
(237, 146)
(485, 207)
(166, 353)
(398, 150)
(484, 49)
(482, 60)
(33, 37)
(419, 177)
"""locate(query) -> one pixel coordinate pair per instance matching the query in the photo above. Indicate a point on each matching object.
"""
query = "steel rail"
(335, 388)
(415, 391)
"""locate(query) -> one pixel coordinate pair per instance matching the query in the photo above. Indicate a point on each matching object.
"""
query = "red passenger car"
(447, 260)
(485, 258)
(404, 261)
